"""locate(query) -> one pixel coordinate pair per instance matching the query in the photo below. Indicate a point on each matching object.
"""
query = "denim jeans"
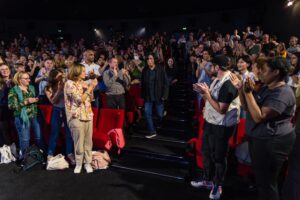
(24, 133)
(58, 117)
(148, 113)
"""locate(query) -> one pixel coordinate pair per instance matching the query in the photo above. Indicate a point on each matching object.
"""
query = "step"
(144, 165)
(164, 136)
(164, 148)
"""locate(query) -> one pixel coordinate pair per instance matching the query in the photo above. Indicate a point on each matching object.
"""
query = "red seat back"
(108, 119)
(47, 113)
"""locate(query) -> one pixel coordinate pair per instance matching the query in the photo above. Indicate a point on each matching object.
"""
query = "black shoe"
(151, 135)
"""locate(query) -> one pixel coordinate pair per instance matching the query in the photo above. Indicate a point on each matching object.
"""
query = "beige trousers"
(82, 133)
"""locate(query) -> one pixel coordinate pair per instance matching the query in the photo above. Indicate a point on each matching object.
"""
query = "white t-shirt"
(91, 67)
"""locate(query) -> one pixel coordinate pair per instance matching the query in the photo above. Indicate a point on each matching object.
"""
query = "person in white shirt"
(92, 71)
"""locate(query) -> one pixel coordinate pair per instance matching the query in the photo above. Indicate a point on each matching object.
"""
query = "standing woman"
(80, 115)
(22, 100)
(269, 127)
(55, 93)
(5, 117)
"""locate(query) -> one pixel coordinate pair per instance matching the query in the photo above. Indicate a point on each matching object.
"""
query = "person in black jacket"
(155, 89)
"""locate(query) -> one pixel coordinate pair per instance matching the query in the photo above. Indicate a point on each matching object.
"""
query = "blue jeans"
(148, 113)
(58, 117)
(24, 133)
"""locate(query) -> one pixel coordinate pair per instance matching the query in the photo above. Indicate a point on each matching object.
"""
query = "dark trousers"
(215, 145)
(116, 101)
(268, 156)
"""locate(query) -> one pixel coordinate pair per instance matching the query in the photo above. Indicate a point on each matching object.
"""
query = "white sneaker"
(88, 168)
(215, 192)
(77, 169)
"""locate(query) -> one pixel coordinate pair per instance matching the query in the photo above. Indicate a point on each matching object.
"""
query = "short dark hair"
(281, 65)
(245, 58)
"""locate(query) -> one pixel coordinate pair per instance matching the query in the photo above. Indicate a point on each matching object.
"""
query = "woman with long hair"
(55, 93)
(5, 115)
(23, 101)
(78, 97)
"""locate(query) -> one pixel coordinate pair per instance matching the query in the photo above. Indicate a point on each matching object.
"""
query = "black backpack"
(33, 157)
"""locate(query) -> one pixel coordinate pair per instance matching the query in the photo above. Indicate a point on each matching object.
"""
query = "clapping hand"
(236, 80)
(249, 85)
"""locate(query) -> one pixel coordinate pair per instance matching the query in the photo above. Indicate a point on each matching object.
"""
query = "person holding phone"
(23, 101)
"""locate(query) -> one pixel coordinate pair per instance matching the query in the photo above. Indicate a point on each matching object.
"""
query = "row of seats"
(105, 119)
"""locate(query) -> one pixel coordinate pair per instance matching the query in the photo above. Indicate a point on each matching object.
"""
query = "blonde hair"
(75, 72)
(18, 76)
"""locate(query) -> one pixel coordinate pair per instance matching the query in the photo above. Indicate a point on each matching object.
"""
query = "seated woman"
(22, 100)
(55, 93)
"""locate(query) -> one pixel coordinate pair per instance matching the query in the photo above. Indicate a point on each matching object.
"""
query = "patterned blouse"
(75, 108)
(15, 105)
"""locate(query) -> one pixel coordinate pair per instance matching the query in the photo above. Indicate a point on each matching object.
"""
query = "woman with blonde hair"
(22, 100)
(78, 96)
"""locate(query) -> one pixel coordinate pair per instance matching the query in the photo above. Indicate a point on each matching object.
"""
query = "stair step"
(151, 167)
(155, 147)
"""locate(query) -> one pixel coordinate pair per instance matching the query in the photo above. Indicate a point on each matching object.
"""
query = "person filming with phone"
(23, 101)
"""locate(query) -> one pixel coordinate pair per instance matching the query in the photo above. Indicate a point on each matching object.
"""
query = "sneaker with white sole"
(202, 184)
(88, 168)
(77, 169)
(151, 135)
(215, 192)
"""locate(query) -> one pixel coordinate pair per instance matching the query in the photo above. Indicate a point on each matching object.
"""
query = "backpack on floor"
(33, 157)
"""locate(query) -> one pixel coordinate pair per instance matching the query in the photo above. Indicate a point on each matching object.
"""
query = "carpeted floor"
(111, 184)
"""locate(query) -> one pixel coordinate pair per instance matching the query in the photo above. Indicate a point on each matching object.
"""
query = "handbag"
(6, 155)
(57, 163)
(100, 160)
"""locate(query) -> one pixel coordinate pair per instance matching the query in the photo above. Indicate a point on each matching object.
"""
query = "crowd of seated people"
(251, 76)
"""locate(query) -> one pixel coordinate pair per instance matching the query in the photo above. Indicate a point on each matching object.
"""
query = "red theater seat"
(108, 119)
(47, 113)
(198, 143)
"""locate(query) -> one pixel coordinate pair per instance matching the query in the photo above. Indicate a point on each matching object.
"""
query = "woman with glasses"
(22, 100)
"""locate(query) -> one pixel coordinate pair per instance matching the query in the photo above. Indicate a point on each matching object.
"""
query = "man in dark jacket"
(155, 90)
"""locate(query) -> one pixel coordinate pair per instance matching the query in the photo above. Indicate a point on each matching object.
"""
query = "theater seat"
(197, 143)
(46, 111)
(108, 119)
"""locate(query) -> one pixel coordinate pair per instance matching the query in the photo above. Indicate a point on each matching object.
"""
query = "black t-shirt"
(281, 100)
(227, 92)
(152, 78)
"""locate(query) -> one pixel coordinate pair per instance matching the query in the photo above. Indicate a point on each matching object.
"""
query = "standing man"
(116, 81)
(155, 89)
(92, 72)
(221, 114)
